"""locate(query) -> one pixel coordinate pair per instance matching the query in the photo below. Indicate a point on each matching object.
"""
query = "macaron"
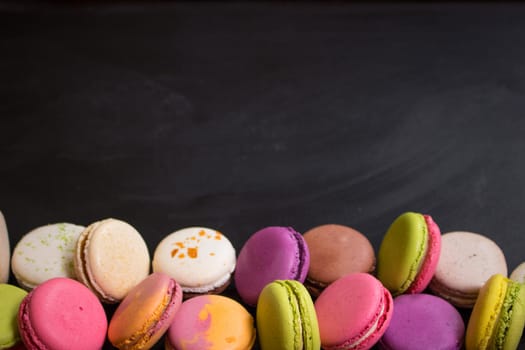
(409, 253)
(5, 251)
(211, 322)
(10, 299)
(111, 258)
(423, 321)
(44, 253)
(498, 316)
(146, 313)
(466, 262)
(336, 250)
(200, 259)
(286, 318)
(353, 312)
(518, 274)
(62, 314)
(272, 253)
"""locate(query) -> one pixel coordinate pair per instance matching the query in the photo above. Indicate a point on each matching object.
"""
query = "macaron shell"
(198, 258)
(44, 253)
(211, 322)
(402, 252)
(5, 251)
(467, 260)
(353, 312)
(111, 258)
(428, 268)
(422, 321)
(337, 250)
(10, 299)
(270, 254)
(286, 317)
(145, 313)
(62, 314)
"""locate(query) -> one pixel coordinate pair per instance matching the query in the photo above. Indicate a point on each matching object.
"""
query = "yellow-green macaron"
(498, 316)
(409, 253)
(286, 318)
(10, 299)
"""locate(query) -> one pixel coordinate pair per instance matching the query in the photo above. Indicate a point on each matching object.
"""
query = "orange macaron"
(146, 313)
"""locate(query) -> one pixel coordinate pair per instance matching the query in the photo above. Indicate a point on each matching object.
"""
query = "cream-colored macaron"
(45, 252)
(466, 262)
(518, 274)
(5, 251)
(200, 259)
(111, 258)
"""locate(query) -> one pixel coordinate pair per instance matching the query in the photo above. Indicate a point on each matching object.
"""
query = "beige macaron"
(466, 262)
(518, 274)
(111, 258)
(5, 251)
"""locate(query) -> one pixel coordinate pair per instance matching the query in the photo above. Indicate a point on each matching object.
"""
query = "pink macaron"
(62, 314)
(353, 312)
(273, 253)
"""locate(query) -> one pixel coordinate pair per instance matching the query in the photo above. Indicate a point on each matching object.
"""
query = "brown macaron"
(335, 251)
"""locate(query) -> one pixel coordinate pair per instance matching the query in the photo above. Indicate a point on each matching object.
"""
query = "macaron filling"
(511, 320)
(505, 315)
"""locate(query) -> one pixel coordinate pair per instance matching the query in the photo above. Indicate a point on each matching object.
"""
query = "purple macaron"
(270, 254)
(421, 321)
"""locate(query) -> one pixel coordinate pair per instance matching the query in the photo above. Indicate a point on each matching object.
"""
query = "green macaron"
(10, 299)
(409, 253)
(286, 318)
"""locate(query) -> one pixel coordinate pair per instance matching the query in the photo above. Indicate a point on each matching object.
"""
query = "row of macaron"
(413, 254)
(354, 312)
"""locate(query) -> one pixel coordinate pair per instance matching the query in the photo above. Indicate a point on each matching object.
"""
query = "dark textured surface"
(240, 116)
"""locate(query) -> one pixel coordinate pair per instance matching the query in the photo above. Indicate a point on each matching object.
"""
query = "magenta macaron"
(273, 253)
(422, 321)
(62, 314)
(353, 312)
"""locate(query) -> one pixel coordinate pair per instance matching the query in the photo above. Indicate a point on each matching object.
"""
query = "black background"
(238, 116)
